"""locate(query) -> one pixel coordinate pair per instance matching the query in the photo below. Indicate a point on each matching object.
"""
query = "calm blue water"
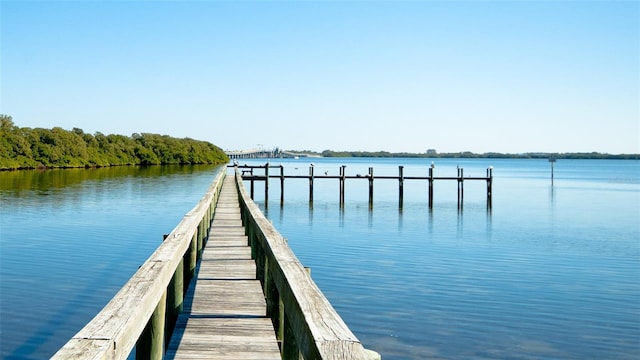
(69, 240)
(550, 272)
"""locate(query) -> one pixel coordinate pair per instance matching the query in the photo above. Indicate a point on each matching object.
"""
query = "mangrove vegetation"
(29, 148)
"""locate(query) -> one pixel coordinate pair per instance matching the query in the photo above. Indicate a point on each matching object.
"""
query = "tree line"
(471, 155)
(30, 148)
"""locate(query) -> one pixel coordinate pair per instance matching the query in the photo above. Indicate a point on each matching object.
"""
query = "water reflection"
(16, 183)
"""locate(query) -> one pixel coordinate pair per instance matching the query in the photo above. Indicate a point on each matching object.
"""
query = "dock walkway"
(224, 314)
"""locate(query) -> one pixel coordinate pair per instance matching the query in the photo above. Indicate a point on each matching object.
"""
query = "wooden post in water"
(401, 186)
(342, 175)
(281, 184)
(489, 186)
(431, 186)
(311, 184)
(266, 185)
(150, 345)
(460, 187)
(370, 187)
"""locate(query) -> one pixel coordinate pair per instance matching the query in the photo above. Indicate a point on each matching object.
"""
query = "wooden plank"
(227, 253)
(238, 298)
(221, 338)
(227, 270)
(236, 240)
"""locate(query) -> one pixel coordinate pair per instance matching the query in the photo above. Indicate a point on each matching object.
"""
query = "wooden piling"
(489, 186)
(342, 177)
(431, 187)
(311, 184)
(266, 185)
(400, 186)
(460, 187)
(281, 184)
(370, 187)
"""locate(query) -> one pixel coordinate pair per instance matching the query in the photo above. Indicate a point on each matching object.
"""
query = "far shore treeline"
(471, 155)
(27, 148)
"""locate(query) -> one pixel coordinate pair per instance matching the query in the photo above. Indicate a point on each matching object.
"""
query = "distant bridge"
(262, 154)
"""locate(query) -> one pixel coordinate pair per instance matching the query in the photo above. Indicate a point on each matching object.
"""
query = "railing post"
(193, 255)
(175, 299)
(200, 238)
(280, 329)
(150, 345)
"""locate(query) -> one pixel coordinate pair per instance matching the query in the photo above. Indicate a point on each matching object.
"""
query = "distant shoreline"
(471, 155)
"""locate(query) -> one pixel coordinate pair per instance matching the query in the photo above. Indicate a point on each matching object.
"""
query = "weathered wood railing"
(305, 322)
(136, 314)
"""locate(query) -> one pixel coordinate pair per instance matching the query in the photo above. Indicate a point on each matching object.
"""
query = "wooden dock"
(225, 313)
(223, 284)
(248, 174)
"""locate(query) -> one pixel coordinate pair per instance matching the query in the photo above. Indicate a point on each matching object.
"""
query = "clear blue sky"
(506, 76)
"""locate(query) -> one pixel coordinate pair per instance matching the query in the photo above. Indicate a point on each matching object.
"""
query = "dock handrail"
(136, 313)
(306, 323)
